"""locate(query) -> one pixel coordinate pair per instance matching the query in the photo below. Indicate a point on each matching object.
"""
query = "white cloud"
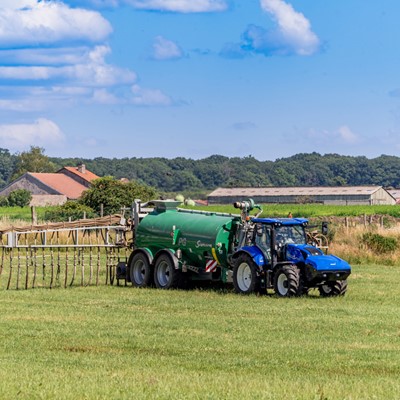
(291, 36)
(149, 97)
(47, 22)
(43, 56)
(342, 135)
(164, 49)
(102, 96)
(17, 4)
(294, 29)
(54, 55)
(180, 6)
(347, 135)
(42, 132)
(91, 70)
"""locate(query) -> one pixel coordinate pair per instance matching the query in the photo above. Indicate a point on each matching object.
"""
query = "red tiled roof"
(63, 184)
(88, 176)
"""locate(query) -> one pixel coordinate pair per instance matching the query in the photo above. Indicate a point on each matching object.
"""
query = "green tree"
(114, 194)
(71, 209)
(33, 160)
(19, 197)
(7, 166)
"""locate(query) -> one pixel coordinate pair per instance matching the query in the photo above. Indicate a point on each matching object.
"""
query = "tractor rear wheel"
(140, 271)
(245, 278)
(165, 274)
(287, 281)
(336, 288)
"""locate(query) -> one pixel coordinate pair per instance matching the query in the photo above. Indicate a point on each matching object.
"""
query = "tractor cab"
(274, 236)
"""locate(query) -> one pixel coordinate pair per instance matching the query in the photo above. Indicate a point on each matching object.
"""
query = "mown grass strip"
(120, 342)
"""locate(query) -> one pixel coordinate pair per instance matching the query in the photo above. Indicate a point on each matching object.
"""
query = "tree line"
(188, 175)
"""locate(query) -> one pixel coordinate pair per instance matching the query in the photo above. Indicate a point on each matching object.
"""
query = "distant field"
(315, 210)
(126, 343)
(19, 213)
(11, 214)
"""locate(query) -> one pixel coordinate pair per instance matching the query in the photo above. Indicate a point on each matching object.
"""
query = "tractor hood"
(314, 257)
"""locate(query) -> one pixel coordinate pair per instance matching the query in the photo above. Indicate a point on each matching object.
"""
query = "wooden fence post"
(34, 215)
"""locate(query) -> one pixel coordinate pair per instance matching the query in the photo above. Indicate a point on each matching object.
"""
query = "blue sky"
(192, 78)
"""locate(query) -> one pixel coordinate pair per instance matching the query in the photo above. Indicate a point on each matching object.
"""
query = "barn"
(332, 195)
(53, 188)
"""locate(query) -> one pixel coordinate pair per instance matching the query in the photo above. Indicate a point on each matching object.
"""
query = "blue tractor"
(273, 253)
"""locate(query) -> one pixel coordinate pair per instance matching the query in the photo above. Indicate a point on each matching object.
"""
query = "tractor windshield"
(290, 234)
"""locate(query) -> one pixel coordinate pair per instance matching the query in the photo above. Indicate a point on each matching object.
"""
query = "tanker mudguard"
(171, 254)
(147, 252)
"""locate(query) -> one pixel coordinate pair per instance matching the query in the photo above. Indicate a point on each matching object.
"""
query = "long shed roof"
(296, 191)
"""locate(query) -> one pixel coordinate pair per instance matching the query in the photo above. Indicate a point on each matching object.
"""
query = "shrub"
(378, 243)
(70, 210)
(114, 194)
(4, 201)
(19, 197)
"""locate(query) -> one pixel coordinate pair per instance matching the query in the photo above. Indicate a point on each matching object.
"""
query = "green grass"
(125, 343)
(312, 210)
(270, 210)
(21, 213)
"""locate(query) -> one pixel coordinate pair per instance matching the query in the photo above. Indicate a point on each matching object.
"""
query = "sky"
(193, 78)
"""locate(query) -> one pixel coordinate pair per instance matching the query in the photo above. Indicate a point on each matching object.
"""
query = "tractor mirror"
(324, 228)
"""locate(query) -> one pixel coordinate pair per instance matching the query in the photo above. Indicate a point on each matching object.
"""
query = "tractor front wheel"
(245, 278)
(287, 281)
(336, 288)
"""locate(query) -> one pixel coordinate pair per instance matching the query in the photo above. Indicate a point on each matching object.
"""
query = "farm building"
(396, 194)
(53, 188)
(340, 195)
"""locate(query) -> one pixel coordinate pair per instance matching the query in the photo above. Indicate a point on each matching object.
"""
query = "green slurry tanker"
(173, 245)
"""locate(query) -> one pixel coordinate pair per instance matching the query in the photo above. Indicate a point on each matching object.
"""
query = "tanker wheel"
(165, 274)
(245, 279)
(335, 288)
(287, 281)
(140, 271)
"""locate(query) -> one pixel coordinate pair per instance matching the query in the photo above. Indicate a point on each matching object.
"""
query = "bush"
(378, 243)
(19, 197)
(71, 209)
(115, 194)
(4, 201)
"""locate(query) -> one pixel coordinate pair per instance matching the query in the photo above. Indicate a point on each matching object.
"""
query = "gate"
(81, 253)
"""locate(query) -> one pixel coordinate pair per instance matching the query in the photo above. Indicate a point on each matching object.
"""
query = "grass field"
(125, 343)
(313, 210)
(8, 215)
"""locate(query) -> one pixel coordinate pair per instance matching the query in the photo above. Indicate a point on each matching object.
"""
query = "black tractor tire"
(140, 271)
(287, 281)
(166, 276)
(245, 277)
(336, 288)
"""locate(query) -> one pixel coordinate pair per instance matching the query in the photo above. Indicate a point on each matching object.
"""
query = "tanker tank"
(198, 235)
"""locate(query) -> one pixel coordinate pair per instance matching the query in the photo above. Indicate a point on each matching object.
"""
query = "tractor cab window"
(290, 234)
(263, 240)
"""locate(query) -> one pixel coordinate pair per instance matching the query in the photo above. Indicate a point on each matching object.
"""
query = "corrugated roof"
(61, 183)
(296, 191)
(87, 175)
(395, 193)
